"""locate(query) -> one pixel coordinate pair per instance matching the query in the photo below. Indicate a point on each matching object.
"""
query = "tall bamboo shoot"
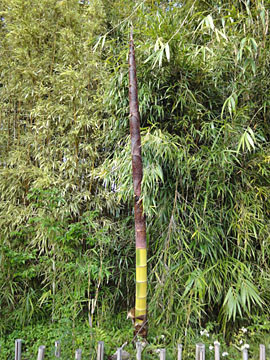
(137, 173)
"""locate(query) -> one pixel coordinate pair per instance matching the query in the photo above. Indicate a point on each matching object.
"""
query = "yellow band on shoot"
(141, 257)
(141, 274)
(141, 284)
(141, 289)
(141, 303)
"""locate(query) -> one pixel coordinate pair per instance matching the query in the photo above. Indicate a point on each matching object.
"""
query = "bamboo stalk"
(137, 172)
(89, 299)
(18, 349)
(53, 283)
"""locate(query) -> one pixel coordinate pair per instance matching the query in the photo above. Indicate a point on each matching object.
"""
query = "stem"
(137, 173)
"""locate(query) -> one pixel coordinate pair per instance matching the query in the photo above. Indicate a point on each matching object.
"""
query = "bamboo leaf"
(167, 50)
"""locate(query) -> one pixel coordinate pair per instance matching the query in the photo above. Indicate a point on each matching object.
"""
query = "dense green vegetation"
(67, 257)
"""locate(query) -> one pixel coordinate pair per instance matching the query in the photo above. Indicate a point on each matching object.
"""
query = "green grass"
(116, 331)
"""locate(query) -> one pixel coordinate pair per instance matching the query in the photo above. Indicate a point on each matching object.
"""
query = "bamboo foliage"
(66, 174)
(204, 139)
(50, 142)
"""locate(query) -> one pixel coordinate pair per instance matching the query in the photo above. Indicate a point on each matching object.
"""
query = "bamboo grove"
(66, 193)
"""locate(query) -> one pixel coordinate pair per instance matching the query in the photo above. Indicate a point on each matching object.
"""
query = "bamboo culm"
(137, 173)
